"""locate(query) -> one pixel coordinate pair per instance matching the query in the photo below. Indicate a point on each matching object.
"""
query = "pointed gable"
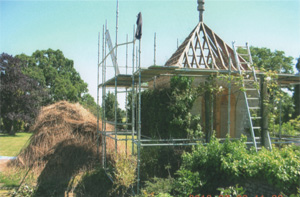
(204, 49)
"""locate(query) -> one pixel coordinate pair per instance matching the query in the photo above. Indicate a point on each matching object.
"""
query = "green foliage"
(264, 58)
(87, 101)
(298, 64)
(287, 108)
(159, 161)
(124, 172)
(19, 95)
(232, 191)
(296, 195)
(207, 165)
(110, 108)
(276, 97)
(56, 74)
(166, 113)
(158, 186)
(296, 95)
(292, 127)
(23, 191)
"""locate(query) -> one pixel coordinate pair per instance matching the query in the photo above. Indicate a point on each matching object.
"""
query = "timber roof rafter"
(204, 49)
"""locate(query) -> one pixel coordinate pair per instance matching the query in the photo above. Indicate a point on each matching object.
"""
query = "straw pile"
(63, 134)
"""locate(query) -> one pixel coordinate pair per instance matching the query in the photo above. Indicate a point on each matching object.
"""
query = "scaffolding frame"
(133, 84)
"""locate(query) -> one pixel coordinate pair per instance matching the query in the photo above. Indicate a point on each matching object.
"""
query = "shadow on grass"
(94, 183)
(65, 162)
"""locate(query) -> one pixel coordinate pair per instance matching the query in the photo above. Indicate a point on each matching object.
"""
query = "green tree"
(87, 101)
(264, 58)
(110, 108)
(56, 74)
(296, 96)
(20, 96)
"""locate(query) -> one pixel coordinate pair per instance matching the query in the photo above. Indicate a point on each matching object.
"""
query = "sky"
(73, 27)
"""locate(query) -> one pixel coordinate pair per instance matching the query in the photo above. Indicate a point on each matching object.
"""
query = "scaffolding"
(130, 80)
(132, 85)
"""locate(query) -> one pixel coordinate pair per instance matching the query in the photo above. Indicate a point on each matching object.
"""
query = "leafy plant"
(157, 186)
(232, 191)
(23, 191)
(124, 172)
(203, 169)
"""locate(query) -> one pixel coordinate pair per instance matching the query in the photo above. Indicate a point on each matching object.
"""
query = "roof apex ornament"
(201, 9)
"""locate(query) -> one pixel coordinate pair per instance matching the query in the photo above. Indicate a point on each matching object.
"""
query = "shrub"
(203, 169)
(158, 186)
(124, 172)
(160, 161)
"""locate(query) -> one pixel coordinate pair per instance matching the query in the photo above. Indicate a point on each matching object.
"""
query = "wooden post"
(264, 113)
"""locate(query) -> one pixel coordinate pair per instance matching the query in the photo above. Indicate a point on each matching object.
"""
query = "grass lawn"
(11, 145)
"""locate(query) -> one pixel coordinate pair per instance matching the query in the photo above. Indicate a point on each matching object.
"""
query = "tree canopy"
(264, 58)
(20, 96)
(296, 96)
(28, 82)
(56, 74)
(110, 108)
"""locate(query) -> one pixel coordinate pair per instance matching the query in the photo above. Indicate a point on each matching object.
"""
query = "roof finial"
(201, 9)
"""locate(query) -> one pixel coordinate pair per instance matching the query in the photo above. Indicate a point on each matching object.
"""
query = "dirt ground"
(3, 164)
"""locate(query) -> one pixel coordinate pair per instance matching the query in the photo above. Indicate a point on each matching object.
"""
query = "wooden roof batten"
(204, 49)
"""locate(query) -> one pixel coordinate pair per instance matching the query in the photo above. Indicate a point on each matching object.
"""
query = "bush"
(160, 162)
(292, 127)
(203, 169)
(158, 186)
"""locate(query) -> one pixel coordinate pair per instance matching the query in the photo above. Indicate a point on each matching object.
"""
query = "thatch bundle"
(62, 131)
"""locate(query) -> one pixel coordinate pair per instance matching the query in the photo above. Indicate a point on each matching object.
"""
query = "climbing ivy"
(166, 112)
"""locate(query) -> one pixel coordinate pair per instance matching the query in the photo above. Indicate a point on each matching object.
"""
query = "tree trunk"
(12, 129)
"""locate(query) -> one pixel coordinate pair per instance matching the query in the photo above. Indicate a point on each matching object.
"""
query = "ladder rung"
(249, 80)
(256, 127)
(244, 63)
(255, 118)
(252, 98)
(122, 91)
(250, 89)
(254, 107)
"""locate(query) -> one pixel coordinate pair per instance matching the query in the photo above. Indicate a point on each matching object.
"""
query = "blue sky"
(73, 26)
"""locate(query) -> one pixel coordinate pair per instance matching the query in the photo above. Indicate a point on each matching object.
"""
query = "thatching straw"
(59, 125)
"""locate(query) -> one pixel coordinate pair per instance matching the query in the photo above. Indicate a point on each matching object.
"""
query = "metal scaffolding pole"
(104, 95)
(154, 61)
(126, 93)
(280, 110)
(98, 96)
(116, 79)
(229, 94)
(139, 121)
(132, 94)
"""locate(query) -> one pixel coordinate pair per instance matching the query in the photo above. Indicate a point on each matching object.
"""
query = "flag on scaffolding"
(139, 22)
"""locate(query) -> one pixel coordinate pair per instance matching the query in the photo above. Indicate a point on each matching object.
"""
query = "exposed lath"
(204, 49)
